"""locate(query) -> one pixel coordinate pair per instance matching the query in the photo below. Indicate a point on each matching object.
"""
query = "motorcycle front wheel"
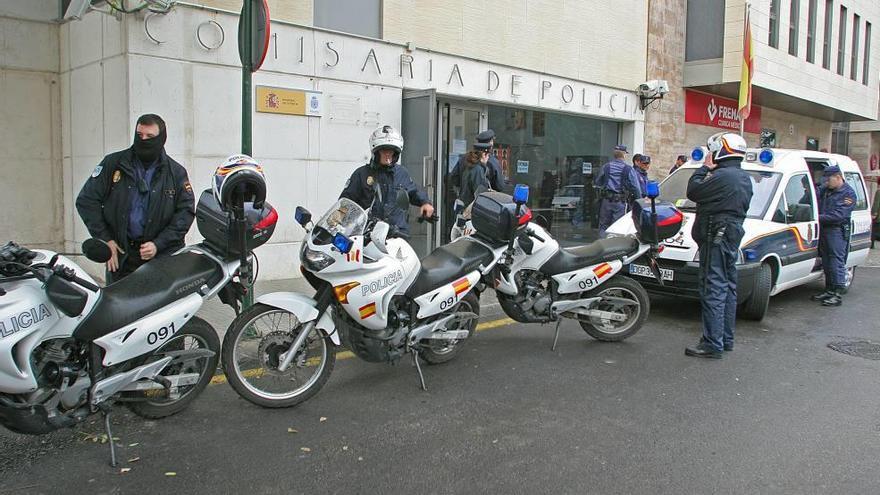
(252, 352)
(623, 297)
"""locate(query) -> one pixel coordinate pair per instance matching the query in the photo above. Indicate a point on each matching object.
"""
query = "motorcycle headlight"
(315, 261)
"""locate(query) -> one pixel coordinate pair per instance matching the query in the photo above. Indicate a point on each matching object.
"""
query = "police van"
(780, 247)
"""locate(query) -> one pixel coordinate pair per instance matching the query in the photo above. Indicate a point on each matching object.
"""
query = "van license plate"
(645, 271)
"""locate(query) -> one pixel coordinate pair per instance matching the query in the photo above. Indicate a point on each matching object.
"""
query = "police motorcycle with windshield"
(538, 281)
(780, 247)
(69, 348)
(373, 294)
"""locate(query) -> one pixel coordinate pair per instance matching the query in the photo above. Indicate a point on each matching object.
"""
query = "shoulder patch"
(848, 201)
(97, 170)
(117, 176)
(188, 187)
(370, 180)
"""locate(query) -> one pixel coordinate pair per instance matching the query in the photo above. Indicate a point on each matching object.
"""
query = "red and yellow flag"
(745, 81)
(368, 310)
(602, 270)
(461, 285)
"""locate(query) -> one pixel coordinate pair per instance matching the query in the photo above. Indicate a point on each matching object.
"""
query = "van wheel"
(756, 306)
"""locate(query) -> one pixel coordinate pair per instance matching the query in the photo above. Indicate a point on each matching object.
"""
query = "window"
(854, 63)
(793, 26)
(826, 35)
(674, 190)
(855, 182)
(811, 32)
(798, 200)
(779, 214)
(363, 17)
(774, 24)
(841, 41)
(867, 57)
(840, 138)
(705, 30)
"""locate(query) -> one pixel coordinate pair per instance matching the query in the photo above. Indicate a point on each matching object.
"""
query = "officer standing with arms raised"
(138, 200)
(384, 171)
(836, 202)
(616, 184)
(722, 192)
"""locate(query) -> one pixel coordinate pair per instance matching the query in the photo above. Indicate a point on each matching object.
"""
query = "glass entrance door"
(419, 123)
(459, 126)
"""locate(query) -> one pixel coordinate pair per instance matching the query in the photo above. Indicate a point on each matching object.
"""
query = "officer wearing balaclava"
(138, 200)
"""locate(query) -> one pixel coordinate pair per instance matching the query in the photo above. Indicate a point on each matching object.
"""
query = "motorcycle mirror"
(402, 199)
(302, 215)
(653, 189)
(97, 250)
(521, 193)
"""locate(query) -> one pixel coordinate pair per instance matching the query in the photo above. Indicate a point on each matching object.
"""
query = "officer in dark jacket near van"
(836, 202)
(384, 172)
(138, 200)
(722, 192)
(617, 184)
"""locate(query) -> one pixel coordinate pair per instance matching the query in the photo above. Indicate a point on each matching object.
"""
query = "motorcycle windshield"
(345, 217)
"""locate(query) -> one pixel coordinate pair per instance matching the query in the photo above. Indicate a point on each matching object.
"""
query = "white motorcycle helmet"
(725, 145)
(240, 175)
(386, 137)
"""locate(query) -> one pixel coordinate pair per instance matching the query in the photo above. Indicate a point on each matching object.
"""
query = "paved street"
(783, 413)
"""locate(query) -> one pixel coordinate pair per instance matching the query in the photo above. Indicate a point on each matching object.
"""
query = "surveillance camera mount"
(647, 99)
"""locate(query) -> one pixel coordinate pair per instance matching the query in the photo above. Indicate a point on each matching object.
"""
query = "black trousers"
(131, 260)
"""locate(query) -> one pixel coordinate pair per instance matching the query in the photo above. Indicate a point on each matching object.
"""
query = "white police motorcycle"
(69, 348)
(538, 281)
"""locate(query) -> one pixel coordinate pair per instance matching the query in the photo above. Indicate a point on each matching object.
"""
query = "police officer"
(681, 160)
(836, 201)
(616, 184)
(722, 192)
(493, 168)
(641, 164)
(474, 177)
(139, 200)
(384, 172)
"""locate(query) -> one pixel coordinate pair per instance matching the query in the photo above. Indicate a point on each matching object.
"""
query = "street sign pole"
(246, 76)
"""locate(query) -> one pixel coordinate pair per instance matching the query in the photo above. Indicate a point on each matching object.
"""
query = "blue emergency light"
(766, 156)
(521, 193)
(653, 189)
(697, 155)
(342, 243)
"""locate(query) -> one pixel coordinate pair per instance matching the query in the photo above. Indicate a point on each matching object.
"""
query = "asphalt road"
(783, 413)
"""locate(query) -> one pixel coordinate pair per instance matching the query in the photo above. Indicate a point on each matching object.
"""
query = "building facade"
(558, 93)
(815, 63)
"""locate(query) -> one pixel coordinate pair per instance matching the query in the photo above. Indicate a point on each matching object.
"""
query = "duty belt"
(613, 196)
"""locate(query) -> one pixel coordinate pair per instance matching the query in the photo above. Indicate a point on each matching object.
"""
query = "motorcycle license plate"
(645, 271)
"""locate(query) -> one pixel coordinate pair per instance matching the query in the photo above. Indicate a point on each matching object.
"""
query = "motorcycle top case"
(669, 220)
(217, 227)
(493, 215)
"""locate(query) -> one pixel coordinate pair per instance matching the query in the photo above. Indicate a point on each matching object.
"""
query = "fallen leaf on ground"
(292, 430)
(134, 459)
(133, 444)
(170, 473)
(305, 449)
(124, 470)
(322, 419)
(360, 458)
(345, 447)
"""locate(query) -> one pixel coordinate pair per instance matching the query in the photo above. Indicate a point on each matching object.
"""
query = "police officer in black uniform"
(384, 171)
(139, 200)
(836, 202)
(474, 177)
(493, 168)
(722, 192)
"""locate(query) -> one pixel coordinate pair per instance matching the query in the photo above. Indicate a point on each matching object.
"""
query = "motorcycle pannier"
(669, 220)
(494, 215)
(217, 226)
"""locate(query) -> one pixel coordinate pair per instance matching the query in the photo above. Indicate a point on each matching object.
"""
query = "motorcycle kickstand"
(109, 437)
(556, 337)
(415, 355)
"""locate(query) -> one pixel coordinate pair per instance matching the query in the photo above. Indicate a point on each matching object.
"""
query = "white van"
(780, 247)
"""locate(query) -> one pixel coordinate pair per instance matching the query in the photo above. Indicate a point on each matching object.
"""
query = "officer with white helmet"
(722, 192)
(384, 172)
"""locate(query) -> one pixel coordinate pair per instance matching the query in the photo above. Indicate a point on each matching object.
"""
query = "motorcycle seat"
(151, 287)
(448, 263)
(566, 260)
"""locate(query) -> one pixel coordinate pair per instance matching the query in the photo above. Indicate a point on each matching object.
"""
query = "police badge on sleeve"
(97, 171)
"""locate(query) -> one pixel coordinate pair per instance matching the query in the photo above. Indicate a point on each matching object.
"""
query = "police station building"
(553, 79)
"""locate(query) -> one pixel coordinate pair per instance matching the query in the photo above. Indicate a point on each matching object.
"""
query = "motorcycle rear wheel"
(196, 333)
(252, 350)
(636, 311)
(443, 351)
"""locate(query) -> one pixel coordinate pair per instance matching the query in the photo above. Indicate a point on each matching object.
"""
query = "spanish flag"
(461, 285)
(602, 270)
(745, 80)
(368, 310)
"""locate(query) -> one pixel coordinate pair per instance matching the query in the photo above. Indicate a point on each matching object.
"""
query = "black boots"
(833, 299)
(827, 293)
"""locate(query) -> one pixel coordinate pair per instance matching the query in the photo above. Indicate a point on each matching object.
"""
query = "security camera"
(654, 87)
(76, 9)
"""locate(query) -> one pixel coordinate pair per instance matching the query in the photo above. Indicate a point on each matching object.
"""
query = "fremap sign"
(715, 111)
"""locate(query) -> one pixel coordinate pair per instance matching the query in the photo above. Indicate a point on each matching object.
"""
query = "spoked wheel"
(441, 351)
(193, 373)
(623, 298)
(254, 348)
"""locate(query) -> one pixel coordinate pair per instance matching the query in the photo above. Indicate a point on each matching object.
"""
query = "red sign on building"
(716, 111)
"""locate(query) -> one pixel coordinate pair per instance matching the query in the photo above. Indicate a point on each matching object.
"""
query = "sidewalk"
(220, 315)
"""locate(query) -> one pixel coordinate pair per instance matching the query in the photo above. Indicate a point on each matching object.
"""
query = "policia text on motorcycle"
(385, 147)
(138, 200)
(836, 201)
(722, 192)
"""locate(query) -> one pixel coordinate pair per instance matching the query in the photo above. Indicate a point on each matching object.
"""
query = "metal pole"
(245, 273)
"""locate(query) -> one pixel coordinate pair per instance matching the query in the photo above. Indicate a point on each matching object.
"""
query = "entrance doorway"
(459, 125)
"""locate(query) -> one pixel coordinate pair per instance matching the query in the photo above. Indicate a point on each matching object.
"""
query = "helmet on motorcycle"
(386, 137)
(725, 145)
(239, 178)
